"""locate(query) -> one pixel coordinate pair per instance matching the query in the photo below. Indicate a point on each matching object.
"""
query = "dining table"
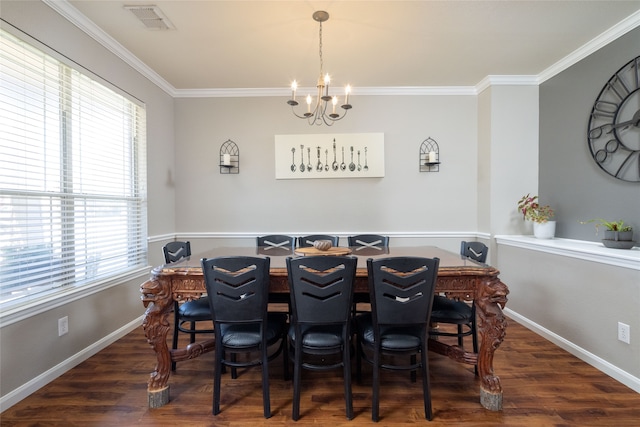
(459, 278)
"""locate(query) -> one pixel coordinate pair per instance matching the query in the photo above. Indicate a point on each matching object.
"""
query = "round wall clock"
(614, 124)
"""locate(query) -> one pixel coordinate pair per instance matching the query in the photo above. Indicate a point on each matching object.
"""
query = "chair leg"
(266, 400)
(217, 377)
(375, 400)
(426, 384)
(460, 338)
(285, 359)
(297, 368)
(346, 368)
(192, 335)
(413, 373)
(234, 370)
(359, 362)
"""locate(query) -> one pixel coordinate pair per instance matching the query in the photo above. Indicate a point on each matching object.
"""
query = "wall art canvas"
(345, 155)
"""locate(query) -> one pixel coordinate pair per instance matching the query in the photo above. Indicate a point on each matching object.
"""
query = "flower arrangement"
(533, 211)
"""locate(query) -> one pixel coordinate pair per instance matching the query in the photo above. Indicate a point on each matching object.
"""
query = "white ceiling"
(222, 45)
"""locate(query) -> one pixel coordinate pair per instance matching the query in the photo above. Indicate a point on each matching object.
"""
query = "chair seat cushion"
(248, 335)
(394, 338)
(195, 310)
(446, 310)
(320, 336)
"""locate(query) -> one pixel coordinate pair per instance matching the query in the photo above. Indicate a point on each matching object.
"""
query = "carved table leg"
(491, 298)
(156, 297)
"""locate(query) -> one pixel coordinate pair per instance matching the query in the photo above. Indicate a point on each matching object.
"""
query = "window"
(72, 177)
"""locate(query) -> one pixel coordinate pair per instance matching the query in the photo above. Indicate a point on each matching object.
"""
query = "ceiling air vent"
(151, 16)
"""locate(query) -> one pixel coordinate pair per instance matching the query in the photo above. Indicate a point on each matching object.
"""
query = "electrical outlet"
(63, 326)
(624, 333)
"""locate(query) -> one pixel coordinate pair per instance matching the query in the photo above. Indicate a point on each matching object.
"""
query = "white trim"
(587, 251)
(506, 80)
(36, 306)
(26, 389)
(621, 28)
(357, 91)
(398, 234)
(582, 354)
(73, 15)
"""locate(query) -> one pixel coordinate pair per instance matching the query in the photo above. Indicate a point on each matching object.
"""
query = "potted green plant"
(616, 233)
(541, 216)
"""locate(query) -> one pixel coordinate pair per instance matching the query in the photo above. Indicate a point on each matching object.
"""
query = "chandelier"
(319, 112)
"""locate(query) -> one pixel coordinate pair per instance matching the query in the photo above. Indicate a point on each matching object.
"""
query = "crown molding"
(71, 14)
(621, 28)
(359, 91)
(64, 8)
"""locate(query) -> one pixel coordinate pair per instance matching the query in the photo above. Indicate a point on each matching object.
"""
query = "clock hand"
(635, 121)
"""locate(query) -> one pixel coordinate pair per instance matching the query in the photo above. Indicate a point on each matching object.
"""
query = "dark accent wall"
(570, 180)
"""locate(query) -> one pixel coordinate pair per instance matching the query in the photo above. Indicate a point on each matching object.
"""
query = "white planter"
(544, 230)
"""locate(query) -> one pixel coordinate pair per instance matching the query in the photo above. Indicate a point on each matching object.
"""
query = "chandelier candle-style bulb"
(317, 113)
(334, 101)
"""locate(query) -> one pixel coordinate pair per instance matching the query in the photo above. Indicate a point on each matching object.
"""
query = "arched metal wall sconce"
(229, 157)
(429, 156)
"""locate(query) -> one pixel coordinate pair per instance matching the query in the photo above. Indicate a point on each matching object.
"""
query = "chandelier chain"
(320, 48)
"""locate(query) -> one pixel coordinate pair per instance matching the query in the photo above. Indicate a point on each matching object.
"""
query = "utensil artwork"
(326, 167)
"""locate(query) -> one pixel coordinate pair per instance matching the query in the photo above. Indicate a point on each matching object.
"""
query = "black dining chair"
(238, 289)
(321, 289)
(189, 312)
(308, 241)
(368, 241)
(274, 242)
(459, 313)
(401, 290)
(476, 251)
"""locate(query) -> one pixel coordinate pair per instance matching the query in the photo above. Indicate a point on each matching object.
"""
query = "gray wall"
(569, 178)
(253, 201)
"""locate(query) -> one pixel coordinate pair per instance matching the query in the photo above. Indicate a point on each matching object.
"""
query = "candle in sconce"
(432, 156)
(226, 159)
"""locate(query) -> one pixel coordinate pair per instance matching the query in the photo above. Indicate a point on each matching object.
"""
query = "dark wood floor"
(543, 386)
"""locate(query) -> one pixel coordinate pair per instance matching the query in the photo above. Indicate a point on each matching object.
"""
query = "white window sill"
(588, 251)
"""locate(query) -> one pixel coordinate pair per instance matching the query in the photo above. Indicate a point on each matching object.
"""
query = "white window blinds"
(72, 177)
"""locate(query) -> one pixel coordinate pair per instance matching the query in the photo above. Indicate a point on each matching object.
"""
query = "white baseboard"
(582, 354)
(45, 378)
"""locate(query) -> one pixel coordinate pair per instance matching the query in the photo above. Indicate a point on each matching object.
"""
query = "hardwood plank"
(543, 386)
